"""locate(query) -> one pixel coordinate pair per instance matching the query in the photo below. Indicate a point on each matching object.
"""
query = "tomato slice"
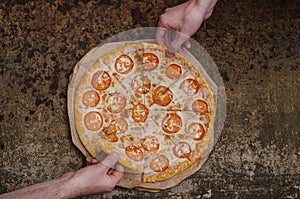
(124, 64)
(150, 143)
(182, 150)
(134, 153)
(140, 113)
(116, 102)
(173, 71)
(111, 137)
(117, 126)
(171, 123)
(150, 61)
(101, 80)
(162, 96)
(90, 98)
(196, 130)
(200, 107)
(190, 86)
(93, 121)
(140, 84)
(159, 163)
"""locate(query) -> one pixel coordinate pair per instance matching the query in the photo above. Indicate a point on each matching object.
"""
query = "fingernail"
(170, 54)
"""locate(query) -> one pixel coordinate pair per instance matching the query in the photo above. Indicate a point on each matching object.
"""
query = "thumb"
(110, 161)
(118, 173)
(176, 44)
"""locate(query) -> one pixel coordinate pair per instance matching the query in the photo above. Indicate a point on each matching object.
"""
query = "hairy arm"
(98, 178)
(58, 188)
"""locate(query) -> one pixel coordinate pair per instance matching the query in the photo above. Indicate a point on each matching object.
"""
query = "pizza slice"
(136, 140)
(122, 134)
(120, 137)
(164, 163)
(189, 132)
(93, 95)
(125, 63)
(165, 159)
(161, 69)
(102, 103)
(190, 86)
(194, 139)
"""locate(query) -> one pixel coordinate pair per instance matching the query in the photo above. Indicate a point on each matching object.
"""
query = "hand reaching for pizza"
(179, 23)
(99, 177)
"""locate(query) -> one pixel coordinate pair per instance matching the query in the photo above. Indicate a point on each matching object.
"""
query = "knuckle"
(163, 18)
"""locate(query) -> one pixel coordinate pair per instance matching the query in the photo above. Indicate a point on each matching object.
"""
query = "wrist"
(68, 188)
(203, 4)
(202, 8)
(195, 9)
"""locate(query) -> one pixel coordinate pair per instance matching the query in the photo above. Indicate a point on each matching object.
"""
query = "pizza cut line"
(156, 112)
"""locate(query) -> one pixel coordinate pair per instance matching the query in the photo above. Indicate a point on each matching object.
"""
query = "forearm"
(58, 188)
(203, 5)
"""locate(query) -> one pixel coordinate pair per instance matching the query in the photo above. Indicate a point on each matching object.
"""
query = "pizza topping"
(117, 126)
(140, 84)
(200, 107)
(140, 113)
(116, 102)
(134, 153)
(190, 86)
(150, 61)
(101, 80)
(90, 98)
(197, 131)
(111, 137)
(173, 71)
(171, 123)
(159, 163)
(93, 121)
(123, 64)
(182, 150)
(150, 143)
(162, 96)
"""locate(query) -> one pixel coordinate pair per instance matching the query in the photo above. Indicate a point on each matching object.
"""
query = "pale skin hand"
(97, 178)
(100, 177)
(179, 23)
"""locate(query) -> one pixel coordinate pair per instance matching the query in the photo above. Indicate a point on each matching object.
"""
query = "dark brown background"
(254, 43)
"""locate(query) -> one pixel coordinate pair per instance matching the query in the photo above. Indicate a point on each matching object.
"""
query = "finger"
(168, 37)
(118, 172)
(94, 161)
(173, 34)
(110, 171)
(160, 33)
(188, 44)
(168, 40)
(176, 44)
(110, 161)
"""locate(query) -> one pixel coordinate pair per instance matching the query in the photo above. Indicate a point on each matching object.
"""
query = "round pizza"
(157, 112)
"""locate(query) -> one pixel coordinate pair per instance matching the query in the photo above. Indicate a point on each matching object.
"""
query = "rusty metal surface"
(255, 45)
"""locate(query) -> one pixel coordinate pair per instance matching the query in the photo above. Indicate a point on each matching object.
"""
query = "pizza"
(157, 112)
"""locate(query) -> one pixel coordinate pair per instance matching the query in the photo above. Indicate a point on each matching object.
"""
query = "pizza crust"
(155, 177)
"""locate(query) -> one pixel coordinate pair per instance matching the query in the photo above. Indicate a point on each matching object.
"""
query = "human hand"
(179, 23)
(99, 177)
